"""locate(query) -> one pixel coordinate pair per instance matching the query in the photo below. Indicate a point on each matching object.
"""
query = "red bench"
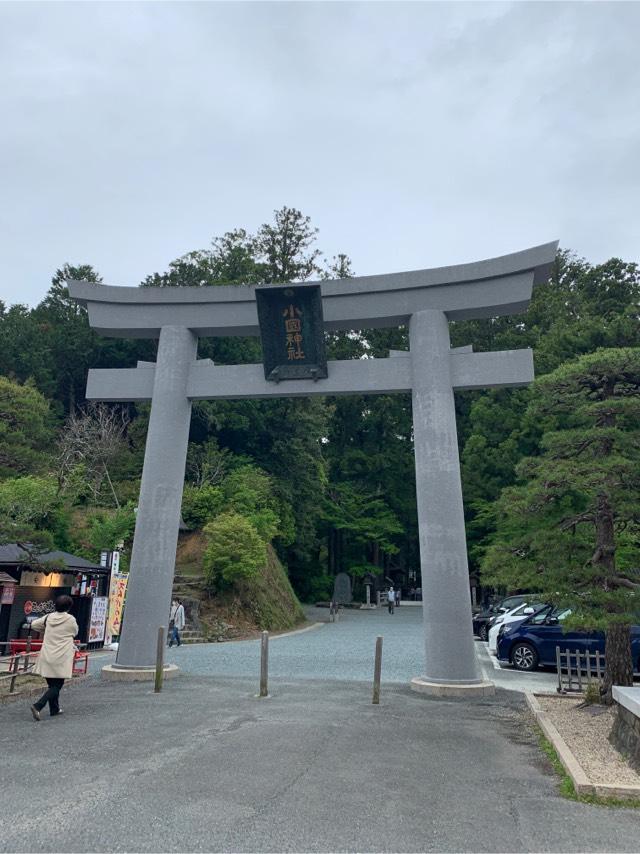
(19, 647)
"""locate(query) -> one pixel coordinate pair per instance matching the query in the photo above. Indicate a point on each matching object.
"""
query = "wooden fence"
(577, 669)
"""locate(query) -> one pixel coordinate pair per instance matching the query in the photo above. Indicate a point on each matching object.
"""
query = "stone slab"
(140, 674)
(627, 697)
(451, 689)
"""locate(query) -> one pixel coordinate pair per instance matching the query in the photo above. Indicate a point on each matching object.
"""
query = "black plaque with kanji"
(292, 332)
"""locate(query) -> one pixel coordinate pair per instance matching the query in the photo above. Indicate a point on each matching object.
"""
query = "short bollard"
(264, 665)
(376, 671)
(159, 660)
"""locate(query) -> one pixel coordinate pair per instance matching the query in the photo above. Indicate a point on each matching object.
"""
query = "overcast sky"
(414, 135)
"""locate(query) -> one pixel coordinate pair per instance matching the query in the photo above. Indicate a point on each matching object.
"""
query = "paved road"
(205, 766)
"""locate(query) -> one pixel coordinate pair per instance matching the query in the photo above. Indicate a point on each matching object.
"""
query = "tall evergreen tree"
(571, 528)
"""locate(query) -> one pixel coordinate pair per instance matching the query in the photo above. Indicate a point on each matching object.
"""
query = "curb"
(581, 782)
(297, 631)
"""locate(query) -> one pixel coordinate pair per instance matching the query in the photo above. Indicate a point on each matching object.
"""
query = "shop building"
(28, 590)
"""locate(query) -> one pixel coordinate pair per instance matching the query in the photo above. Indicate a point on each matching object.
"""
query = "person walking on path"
(176, 622)
(391, 599)
(55, 661)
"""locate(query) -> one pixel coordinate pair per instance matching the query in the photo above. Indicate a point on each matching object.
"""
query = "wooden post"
(16, 664)
(579, 669)
(27, 657)
(569, 679)
(264, 665)
(162, 632)
(377, 671)
(598, 670)
(559, 669)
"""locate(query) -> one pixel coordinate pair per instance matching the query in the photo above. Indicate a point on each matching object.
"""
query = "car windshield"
(549, 613)
(520, 612)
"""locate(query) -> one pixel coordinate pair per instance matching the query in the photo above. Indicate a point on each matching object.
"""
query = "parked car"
(515, 615)
(481, 620)
(534, 641)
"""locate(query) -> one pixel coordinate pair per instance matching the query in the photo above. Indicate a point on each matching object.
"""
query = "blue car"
(534, 640)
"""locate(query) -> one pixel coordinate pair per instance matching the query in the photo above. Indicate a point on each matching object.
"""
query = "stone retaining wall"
(625, 734)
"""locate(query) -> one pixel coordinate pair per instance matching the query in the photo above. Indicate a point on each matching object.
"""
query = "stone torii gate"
(425, 300)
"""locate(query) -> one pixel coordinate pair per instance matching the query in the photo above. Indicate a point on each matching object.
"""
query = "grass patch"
(566, 787)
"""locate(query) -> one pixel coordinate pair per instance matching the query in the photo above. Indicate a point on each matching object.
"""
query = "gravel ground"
(586, 732)
(342, 651)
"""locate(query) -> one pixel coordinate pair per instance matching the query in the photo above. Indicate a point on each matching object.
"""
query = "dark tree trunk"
(619, 664)
(375, 554)
(331, 552)
(618, 661)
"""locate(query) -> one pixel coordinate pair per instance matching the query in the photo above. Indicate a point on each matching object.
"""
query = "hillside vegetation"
(264, 601)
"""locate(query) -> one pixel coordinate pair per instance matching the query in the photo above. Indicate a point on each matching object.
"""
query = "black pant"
(51, 696)
(390, 604)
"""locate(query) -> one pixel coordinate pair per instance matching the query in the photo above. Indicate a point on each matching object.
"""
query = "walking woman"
(55, 661)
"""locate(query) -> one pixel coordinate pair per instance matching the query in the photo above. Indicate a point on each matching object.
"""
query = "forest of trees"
(331, 481)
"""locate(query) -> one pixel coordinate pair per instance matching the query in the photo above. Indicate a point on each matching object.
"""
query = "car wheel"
(483, 634)
(524, 657)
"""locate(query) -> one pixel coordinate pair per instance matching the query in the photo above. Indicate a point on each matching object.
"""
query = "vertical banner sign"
(292, 332)
(98, 621)
(8, 594)
(117, 595)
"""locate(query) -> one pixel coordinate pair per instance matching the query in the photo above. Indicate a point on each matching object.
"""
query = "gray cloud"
(412, 134)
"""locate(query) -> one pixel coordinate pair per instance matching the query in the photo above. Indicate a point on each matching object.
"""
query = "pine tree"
(571, 528)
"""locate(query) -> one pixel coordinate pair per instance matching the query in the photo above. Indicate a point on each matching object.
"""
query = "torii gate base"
(425, 300)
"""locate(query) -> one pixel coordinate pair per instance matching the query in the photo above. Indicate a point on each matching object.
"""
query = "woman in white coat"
(55, 661)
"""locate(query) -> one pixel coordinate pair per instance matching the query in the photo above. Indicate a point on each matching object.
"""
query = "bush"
(200, 504)
(234, 550)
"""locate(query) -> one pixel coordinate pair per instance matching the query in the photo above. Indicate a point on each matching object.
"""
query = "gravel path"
(343, 651)
(586, 732)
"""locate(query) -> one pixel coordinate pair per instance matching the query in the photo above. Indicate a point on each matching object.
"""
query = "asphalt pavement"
(207, 766)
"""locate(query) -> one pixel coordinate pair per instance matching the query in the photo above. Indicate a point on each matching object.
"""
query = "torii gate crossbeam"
(425, 300)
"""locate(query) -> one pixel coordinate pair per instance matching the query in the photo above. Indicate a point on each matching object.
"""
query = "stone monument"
(423, 300)
(342, 589)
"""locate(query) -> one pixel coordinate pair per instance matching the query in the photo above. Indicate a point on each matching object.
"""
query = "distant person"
(391, 599)
(55, 661)
(176, 622)
(398, 596)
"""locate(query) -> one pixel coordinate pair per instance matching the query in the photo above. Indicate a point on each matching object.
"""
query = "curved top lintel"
(494, 286)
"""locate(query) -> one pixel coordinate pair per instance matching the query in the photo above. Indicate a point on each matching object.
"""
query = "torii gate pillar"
(451, 666)
(158, 517)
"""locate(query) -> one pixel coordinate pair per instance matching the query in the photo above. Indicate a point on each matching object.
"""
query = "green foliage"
(366, 517)
(559, 528)
(31, 512)
(109, 529)
(25, 429)
(581, 309)
(246, 490)
(200, 504)
(234, 550)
